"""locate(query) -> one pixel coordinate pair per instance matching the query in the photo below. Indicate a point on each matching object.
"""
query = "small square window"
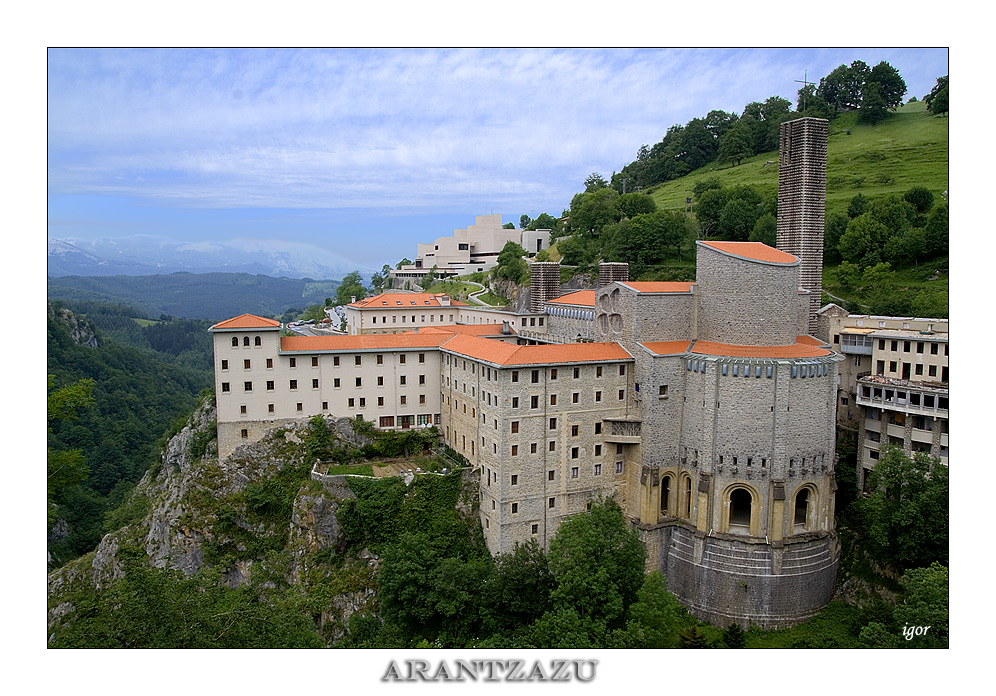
(574, 452)
(515, 508)
(358, 359)
(574, 472)
(551, 503)
(553, 445)
(598, 470)
(242, 409)
(577, 372)
(598, 450)
(300, 407)
(352, 403)
(269, 385)
(247, 386)
(314, 384)
(515, 402)
(574, 431)
(575, 397)
(293, 362)
(550, 474)
(224, 364)
(269, 408)
(293, 384)
(619, 467)
(535, 529)
(515, 479)
(269, 363)
(245, 433)
(598, 397)
(515, 375)
(598, 428)
(335, 382)
(532, 448)
(225, 387)
(553, 399)
(553, 424)
(515, 453)
(314, 361)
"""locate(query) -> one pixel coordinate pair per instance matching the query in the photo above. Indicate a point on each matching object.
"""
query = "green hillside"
(910, 148)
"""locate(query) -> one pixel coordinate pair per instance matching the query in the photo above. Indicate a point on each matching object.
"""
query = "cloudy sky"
(365, 152)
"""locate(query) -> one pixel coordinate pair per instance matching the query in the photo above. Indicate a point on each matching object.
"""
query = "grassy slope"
(907, 149)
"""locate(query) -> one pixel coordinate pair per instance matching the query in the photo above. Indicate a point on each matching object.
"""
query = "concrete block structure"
(802, 184)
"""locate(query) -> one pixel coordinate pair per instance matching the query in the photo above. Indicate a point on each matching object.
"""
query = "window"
(619, 467)
(325, 405)
(534, 377)
(553, 373)
(358, 359)
(932, 370)
(550, 474)
(351, 402)
(363, 402)
(404, 400)
(245, 433)
(269, 408)
(622, 394)
(380, 359)
(551, 503)
(577, 372)
(892, 365)
(300, 407)
(515, 479)
(421, 357)
(553, 399)
(387, 421)
(553, 445)
(598, 371)
(906, 346)
(919, 369)
(404, 381)
(515, 402)
(598, 450)
(380, 381)
(622, 370)
(245, 341)
(574, 472)
(421, 398)
(535, 529)
(314, 361)
(574, 452)
(401, 359)
(293, 384)
(225, 387)
(515, 426)
(242, 409)
(257, 341)
(235, 341)
(598, 428)
(919, 346)
(598, 470)
(534, 402)
(515, 453)
(336, 383)
(269, 363)
(515, 375)
(335, 361)
(575, 397)
(269, 385)
(248, 386)
(515, 508)
(598, 397)
(314, 384)
(574, 430)
(933, 349)
(532, 448)
(380, 400)
(662, 390)
(553, 424)
(224, 364)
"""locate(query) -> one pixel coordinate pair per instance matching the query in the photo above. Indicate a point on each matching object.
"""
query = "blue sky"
(366, 152)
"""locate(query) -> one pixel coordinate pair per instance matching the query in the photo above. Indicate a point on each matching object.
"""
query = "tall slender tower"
(802, 188)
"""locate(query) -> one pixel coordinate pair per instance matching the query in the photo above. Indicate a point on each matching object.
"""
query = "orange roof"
(810, 340)
(754, 251)
(469, 329)
(507, 354)
(667, 347)
(364, 342)
(796, 350)
(658, 286)
(247, 321)
(585, 298)
(403, 300)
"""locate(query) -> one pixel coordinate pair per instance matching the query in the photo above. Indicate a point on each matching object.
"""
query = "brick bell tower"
(802, 187)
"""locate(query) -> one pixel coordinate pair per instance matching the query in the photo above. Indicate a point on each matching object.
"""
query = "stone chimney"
(612, 272)
(544, 285)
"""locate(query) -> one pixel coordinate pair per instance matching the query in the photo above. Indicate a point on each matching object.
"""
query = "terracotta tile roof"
(507, 354)
(755, 251)
(583, 298)
(247, 321)
(403, 300)
(469, 329)
(662, 286)
(667, 347)
(364, 342)
(797, 350)
(810, 340)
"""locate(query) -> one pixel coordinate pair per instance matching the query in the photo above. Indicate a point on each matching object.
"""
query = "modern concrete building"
(893, 386)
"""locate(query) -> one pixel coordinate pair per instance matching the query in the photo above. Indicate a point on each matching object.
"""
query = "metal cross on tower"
(805, 81)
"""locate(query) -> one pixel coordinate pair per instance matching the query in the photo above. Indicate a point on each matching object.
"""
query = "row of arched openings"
(245, 341)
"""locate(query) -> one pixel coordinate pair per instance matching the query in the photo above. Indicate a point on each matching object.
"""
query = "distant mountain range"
(150, 255)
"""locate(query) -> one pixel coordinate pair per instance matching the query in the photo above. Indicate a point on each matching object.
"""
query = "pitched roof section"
(797, 350)
(507, 354)
(581, 298)
(247, 321)
(753, 251)
(657, 286)
(468, 329)
(312, 344)
(806, 347)
(403, 300)
(667, 347)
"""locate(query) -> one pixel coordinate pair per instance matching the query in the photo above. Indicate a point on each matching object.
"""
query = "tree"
(594, 182)
(833, 230)
(874, 107)
(709, 207)
(597, 560)
(864, 237)
(66, 467)
(736, 144)
(857, 206)
(920, 198)
(937, 100)
(508, 226)
(592, 211)
(905, 518)
(524, 222)
(890, 83)
(924, 603)
(632, 204)
(765, 230)
(520, 588)
(511, 265)
(734, 636)
(352, 285)
(657, 616)
(936, 232)
(403, 262)
(736, 221)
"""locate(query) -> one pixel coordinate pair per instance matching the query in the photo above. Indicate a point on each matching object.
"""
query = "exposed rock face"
(81, 331)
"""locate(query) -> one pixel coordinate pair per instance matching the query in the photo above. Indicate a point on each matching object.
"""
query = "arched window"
(245, 341)
(740, 511)
(801, 509)
(688, 498)
(666, 495)
(235, 341)
(257, 341)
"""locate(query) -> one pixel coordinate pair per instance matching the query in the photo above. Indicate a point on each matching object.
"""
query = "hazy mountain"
(142, 254)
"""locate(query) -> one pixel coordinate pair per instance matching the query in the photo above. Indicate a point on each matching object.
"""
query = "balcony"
(624, 432)
(856, 344)
(914, 398)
